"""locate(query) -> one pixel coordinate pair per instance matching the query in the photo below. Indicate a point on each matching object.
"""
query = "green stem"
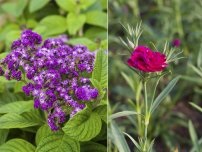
(146, 111)
(145, 94)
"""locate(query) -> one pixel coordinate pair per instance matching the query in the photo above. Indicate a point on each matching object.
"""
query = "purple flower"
(55, 74)
(29, 38)
(176, 42)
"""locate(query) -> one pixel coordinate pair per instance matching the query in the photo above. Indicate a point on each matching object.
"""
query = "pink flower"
(146, 60)
(176, 42)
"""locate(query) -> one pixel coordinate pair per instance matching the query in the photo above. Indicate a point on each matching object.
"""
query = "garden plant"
(53, 76)
(171, 125)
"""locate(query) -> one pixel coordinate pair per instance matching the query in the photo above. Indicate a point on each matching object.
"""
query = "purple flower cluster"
(55, 73)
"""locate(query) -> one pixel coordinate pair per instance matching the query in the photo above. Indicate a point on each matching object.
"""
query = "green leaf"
(134, 141)
(42, 132)
(75, 22)
(84, 126)
(194, 137)
(36, 5)
(15, 8)
(123, 114)
(196, 106)
(8, 28)
(102, 112)
(103, 133)
(74, 6)
(92, 147)
(9, 8)
(83, 41)
(58, 142)
(97, 85)
(3, 135)
(21, 5)
(118, 138)
(18, 86)
(17, 107)
(101, 33)
(97, 18)
(69, 5)
(163, 94)
(17, 145)
(12, 120)
(100, 68)
(199, 59)
(52, 25)
(104, 4)
(11, 36)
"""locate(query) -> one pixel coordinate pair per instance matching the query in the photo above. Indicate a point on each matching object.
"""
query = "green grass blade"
(122, 114)
(119, 139)
(163, 94)
(194, 137)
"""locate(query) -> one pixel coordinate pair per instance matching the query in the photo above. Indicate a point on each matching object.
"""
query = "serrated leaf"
(3, 135)
(17, 145)
(35, 5)
(42, 132)
(194, 137)
(100, 68)
(84, 126)
(102, 112)
(17, 107)
(12, 120)
(97, 18)
(75, 22)
(52, 25)
(92, 147)
(163, 94)
(58, 142)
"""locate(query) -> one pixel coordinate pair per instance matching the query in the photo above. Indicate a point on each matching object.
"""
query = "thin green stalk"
(146, 116)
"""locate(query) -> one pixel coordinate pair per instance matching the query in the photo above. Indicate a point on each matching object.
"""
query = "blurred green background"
(162, 20)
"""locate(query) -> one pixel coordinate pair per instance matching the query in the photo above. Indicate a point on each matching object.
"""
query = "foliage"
(23, 127)
(162, 22)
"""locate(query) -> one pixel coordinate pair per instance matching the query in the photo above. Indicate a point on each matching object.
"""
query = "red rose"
(146, 60)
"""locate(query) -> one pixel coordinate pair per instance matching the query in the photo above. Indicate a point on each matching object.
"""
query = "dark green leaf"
(102, 112)
(58, 142)
(17, 145)
(84, 126)
(42, 132)
(92, 147)
(17, 107)
(3, 135)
